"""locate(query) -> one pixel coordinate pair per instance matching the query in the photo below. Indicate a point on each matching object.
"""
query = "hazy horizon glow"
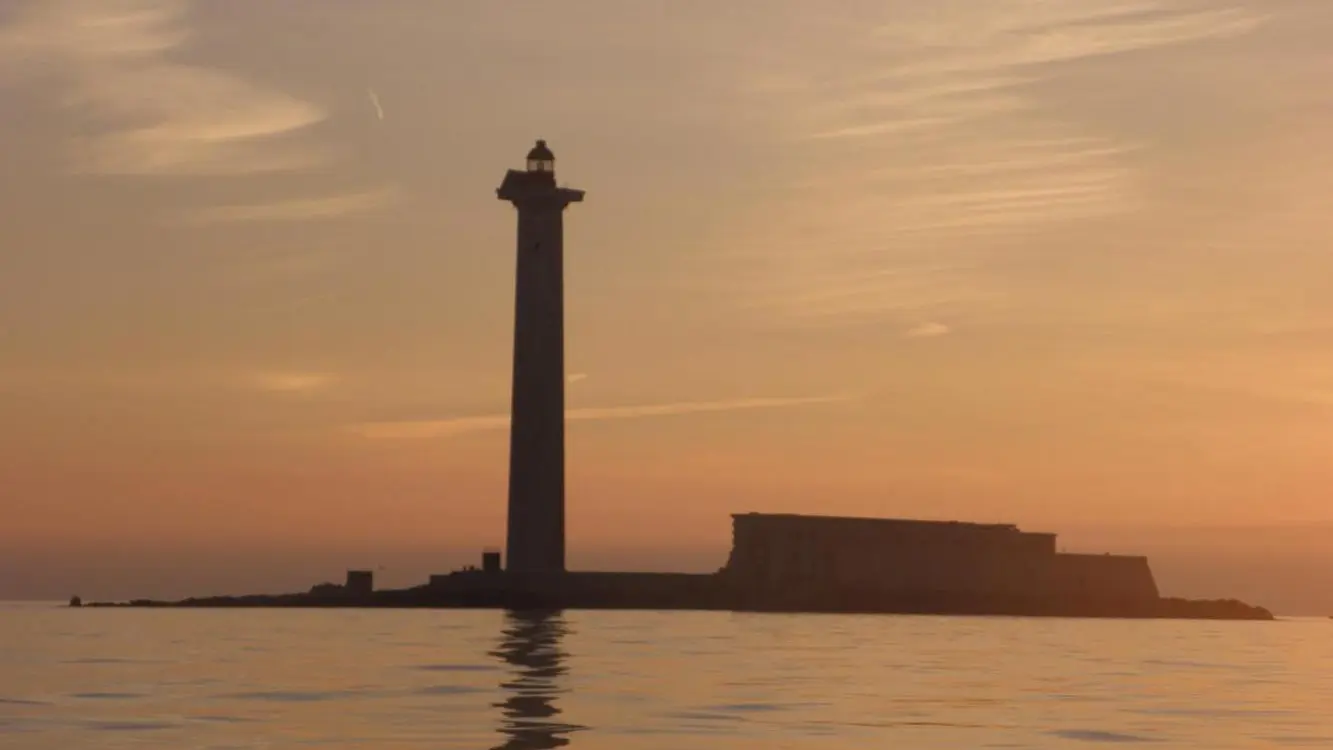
(1062, 263)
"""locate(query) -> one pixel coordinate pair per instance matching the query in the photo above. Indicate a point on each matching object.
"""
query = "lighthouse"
(535, 538)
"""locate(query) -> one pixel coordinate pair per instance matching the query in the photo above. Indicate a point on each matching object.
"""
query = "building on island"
(360, 582)
(772, 553)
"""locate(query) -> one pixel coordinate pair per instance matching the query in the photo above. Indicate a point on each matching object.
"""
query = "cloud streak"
(375, 102)
(300, 209)
(928, 136)
(439, 428)
(291, 382)
(148, 114)
(156, 116)
(927, 331)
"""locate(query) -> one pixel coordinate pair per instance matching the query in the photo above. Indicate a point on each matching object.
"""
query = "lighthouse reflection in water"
(531, 645)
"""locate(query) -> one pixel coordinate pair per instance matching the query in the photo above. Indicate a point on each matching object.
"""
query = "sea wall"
(650, 590)
(588, 589)
(779, 556)
(1103, 577)
(779, 552)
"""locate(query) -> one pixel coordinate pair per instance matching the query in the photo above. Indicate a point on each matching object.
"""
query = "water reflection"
(530, 643)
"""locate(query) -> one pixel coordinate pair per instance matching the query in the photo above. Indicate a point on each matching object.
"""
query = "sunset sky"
(1064, 263)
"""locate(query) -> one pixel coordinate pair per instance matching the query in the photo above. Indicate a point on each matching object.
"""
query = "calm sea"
(636, 680)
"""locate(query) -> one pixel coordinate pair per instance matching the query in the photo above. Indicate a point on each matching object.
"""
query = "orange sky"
(1064, 264)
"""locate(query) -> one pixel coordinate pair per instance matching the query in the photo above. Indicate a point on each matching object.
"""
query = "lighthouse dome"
(540, 158)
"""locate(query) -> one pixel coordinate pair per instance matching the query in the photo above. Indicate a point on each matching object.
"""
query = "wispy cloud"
(927, 330)
(375, 102)
(162, 379)
(156, 116)
(300, 209)
(1302, 376)
(115, 63)
(929, 136)
(421, 429)
(291, 382)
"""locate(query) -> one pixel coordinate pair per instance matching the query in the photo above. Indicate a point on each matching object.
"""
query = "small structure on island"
(360, 582)
(490, 561)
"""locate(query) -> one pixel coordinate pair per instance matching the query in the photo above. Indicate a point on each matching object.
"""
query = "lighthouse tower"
(536, 527)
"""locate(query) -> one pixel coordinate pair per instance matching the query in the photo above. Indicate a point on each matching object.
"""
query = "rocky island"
(794, 563)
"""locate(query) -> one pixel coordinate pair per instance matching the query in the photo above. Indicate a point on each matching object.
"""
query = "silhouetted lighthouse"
(536, 533)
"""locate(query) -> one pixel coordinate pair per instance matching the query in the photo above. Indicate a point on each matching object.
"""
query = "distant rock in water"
(75, 601)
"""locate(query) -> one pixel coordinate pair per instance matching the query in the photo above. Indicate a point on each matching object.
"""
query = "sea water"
(590, 680)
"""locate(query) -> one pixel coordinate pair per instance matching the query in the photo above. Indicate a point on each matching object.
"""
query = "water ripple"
(448, 690)
(108, 660)
(296, 696)
(456, 668)
(549, 680)
(1094, 735)
(129, 726)
(22, 702)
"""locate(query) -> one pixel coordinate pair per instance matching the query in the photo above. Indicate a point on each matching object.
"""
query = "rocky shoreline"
(425, 597)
